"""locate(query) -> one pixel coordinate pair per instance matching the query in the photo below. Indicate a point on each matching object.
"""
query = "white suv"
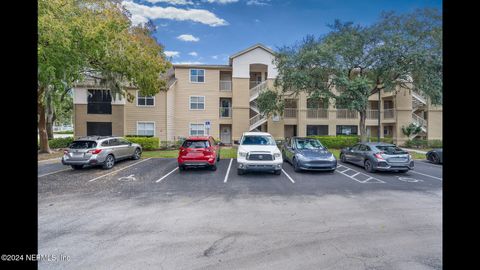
(258, 152)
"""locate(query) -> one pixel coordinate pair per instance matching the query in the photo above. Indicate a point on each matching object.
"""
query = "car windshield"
(83, 145)
(302, 144)
(195, 144)
(258, 140)
(391, 150)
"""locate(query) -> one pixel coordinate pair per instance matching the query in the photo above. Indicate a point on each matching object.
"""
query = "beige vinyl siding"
(157, 114)
(184, 89)
(81, 118)
(171, 113)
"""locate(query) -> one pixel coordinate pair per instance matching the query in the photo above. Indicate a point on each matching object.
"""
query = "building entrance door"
(226, 134)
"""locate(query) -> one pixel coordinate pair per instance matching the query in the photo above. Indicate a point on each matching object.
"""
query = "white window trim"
(196, 123)
(145, 105)
(190, 75)
(190, 103)
(148, 122)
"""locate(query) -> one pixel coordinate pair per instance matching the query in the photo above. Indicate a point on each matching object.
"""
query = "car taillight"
(96, 151)
(65, 152)
(378, 155)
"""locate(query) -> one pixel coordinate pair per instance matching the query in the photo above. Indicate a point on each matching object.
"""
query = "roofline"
(258, 45)
(201, 66)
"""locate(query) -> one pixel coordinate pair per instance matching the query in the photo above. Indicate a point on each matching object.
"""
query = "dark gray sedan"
(308, 154)
(378, 156)
(435, 156)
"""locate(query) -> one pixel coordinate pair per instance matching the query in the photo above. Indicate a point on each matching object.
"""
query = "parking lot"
(147, 214)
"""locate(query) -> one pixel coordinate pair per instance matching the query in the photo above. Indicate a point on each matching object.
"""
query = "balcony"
(346, 114)
(290, 113)
(254, 83)
(225, 85)
(372, 114)
(225, 112)
(317, 113)
(388, 113)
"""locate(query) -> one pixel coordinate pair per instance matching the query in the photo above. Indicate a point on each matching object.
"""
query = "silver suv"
(98, 150)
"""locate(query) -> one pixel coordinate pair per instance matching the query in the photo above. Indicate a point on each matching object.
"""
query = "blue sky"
(208, 31)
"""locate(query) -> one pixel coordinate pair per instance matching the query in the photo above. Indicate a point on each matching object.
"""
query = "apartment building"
(220, 100)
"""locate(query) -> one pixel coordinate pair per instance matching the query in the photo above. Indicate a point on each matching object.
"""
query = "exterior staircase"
(418, 103)
(259, 119)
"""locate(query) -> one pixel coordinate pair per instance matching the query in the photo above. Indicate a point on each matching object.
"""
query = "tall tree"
(95, 38)
(353, 62)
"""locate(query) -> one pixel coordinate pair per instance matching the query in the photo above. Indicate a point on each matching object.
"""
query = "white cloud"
(173, 2)
(221, 1)
(258, 2)
(257, 20)
(188, 37)
(215, 57)
(141, 13)
(193, 53)
(172, 53)
(188, 63)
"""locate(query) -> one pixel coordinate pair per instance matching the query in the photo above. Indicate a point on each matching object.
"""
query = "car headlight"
(242, 154)
(331, 158)
(409, 156)
(277, 155)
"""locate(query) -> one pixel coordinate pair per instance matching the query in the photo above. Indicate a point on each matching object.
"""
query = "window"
(197, 129)
(197, 75)
(364, 148)
(145, 100)
(391, 149)
(146, 128)
(317, 130)
(113, 142)
(197, 103)
(347, 130)
(302, 144)
(196, 144)
(99, 128)
(99, 102)
(258, 140)
(83, 145)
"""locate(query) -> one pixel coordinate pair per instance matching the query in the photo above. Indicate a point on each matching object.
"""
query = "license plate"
(397, 159)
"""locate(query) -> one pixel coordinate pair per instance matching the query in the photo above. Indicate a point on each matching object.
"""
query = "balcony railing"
(346, 114)
(388, 113)
(372, 114)
(290, 113)
(317, 113)
(225, 85)
(225, 112)
(254, 83)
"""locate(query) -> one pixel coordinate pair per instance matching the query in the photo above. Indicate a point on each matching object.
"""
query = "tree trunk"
(50, 116)
(42, 129)
(363, 126)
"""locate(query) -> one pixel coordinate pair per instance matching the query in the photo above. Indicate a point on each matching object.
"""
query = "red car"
(199, 152)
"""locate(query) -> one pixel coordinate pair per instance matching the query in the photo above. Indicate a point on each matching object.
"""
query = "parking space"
(130, 178)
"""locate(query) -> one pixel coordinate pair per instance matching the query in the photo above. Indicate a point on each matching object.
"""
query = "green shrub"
(147, 143)
(64, 132)
(420, 143)
(435, 143)
(337, 142)
(60, 142)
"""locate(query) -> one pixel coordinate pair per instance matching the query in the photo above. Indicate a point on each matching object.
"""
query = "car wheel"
(343, 158)
(137, 154)
(277, 172)
(213, 167)
(369, 166)
(109, 162)
(77, 167)
(181, 168)
(295, 166)
(240, 172)
(218, 157)
(403, 171)
(435, 158)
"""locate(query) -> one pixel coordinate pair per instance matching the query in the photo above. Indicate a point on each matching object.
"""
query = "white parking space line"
(288, 176)
(118, 170)
(438, 178)
(228, 171)
(54, 172)
(370, 179)
(165, 176)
